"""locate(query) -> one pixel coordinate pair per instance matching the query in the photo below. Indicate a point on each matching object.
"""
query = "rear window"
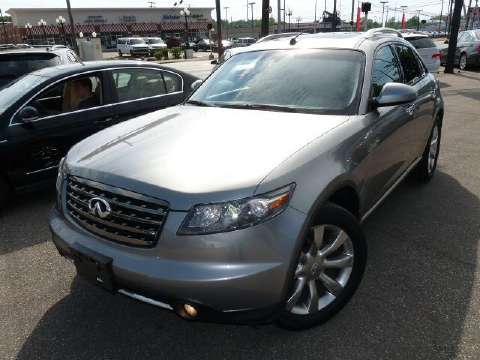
(13, 66)
(421, 42)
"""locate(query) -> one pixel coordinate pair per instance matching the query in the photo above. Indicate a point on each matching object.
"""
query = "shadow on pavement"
(411, 304)
(20, 225)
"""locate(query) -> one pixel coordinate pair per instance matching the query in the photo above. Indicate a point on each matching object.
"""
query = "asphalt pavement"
(420, 298)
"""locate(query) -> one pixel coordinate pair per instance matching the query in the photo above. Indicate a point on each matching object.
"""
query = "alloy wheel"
(463, 62)
(323, 270)
(433, 150)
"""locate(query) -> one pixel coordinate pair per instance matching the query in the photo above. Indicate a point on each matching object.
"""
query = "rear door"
(66, 115)
(142, 90)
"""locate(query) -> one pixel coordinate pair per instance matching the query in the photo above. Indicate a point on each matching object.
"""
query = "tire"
(428, 164)
(4, 192)
(462, 64)
(331, 224)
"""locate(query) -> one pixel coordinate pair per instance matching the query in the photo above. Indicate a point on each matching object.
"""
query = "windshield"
(155, 41)
(137, 41)
(13, 65)
(14, 91)
(319, 81)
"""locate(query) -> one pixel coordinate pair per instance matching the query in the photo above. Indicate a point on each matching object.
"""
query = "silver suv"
(245, 203)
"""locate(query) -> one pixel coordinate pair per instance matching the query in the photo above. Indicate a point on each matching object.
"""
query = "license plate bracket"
(93, 267)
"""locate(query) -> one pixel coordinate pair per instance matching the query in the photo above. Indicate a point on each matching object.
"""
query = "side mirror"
(28, 114)
(395, 94)
(214, 62)
(196, 84)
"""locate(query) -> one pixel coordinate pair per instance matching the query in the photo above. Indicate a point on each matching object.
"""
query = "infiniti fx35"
(244, 204)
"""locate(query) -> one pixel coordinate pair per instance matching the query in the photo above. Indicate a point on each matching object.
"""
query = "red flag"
(404, 23)
(359, 20)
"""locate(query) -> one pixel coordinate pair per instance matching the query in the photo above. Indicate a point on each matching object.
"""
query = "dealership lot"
(420, 298)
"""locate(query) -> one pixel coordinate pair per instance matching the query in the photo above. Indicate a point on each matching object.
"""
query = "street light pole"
(334, 22)
(383, 10)
(4, 28)
(418, 19)
(226, 21)
(73, 33)
(61, 21)
(42, 23)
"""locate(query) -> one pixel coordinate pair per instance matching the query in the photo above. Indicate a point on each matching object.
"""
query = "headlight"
(237, 214)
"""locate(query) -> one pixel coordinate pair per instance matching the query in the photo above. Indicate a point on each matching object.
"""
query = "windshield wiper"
(262, 107)
(199, 103)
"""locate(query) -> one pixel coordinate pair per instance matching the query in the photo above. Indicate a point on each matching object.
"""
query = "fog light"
(190, 310)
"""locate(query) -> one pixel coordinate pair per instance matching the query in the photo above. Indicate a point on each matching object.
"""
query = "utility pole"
(334, 22)
(404, 20)
(73, 33)
(386, 17)
(265, 17)
(449, 22)
(218, 9)
(247, 13)
(290, 13)
(452, 43)
(441, 19)
(279, 16)
(353, 10)
(383, 10)
(226, 21)
(418, 19)
(315, 21)
(284, 27)
(253, 25)
(468, 15)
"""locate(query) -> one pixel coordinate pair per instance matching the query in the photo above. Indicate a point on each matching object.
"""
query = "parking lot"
(420, 298)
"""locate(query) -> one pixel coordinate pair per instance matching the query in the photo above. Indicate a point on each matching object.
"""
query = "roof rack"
(383, 31)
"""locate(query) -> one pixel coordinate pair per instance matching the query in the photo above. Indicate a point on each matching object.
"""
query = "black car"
(16, 62)
(44, 113)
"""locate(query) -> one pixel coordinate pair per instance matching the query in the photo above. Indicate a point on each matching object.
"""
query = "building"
(109, 23)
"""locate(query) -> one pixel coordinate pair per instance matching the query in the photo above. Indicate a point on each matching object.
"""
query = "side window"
(70, 95)
(412, 68)
(173, 82)
(385, 70)
(132, 84)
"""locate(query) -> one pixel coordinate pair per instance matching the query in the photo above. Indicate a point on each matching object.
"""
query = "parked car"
(155, 44)
(278, 36)
(245, 41)
(468, 49)
(203, 45)
(17, 62)
(245, 203)
(133, 46)
(45, 112)
(174, 42)
(427, 49)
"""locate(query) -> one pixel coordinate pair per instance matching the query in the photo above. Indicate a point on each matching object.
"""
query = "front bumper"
(240, 276)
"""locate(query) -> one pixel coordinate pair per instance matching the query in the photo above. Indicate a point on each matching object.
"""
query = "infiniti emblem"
(99, 207)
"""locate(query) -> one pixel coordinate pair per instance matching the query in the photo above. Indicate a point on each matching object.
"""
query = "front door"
(68, 111)
(387, 138)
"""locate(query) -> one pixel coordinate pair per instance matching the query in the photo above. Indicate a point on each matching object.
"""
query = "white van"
(133, 46)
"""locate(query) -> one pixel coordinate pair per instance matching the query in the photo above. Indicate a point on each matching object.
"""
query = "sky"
(304, 9)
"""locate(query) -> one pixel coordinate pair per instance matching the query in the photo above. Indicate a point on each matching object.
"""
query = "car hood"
(188, 154)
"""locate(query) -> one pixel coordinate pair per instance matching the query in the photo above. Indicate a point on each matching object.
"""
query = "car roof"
(415, 35)
(333, 40)
(35, 50)
(74, 68)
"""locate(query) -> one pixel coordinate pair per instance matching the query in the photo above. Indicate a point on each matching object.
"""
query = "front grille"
(134, 219)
